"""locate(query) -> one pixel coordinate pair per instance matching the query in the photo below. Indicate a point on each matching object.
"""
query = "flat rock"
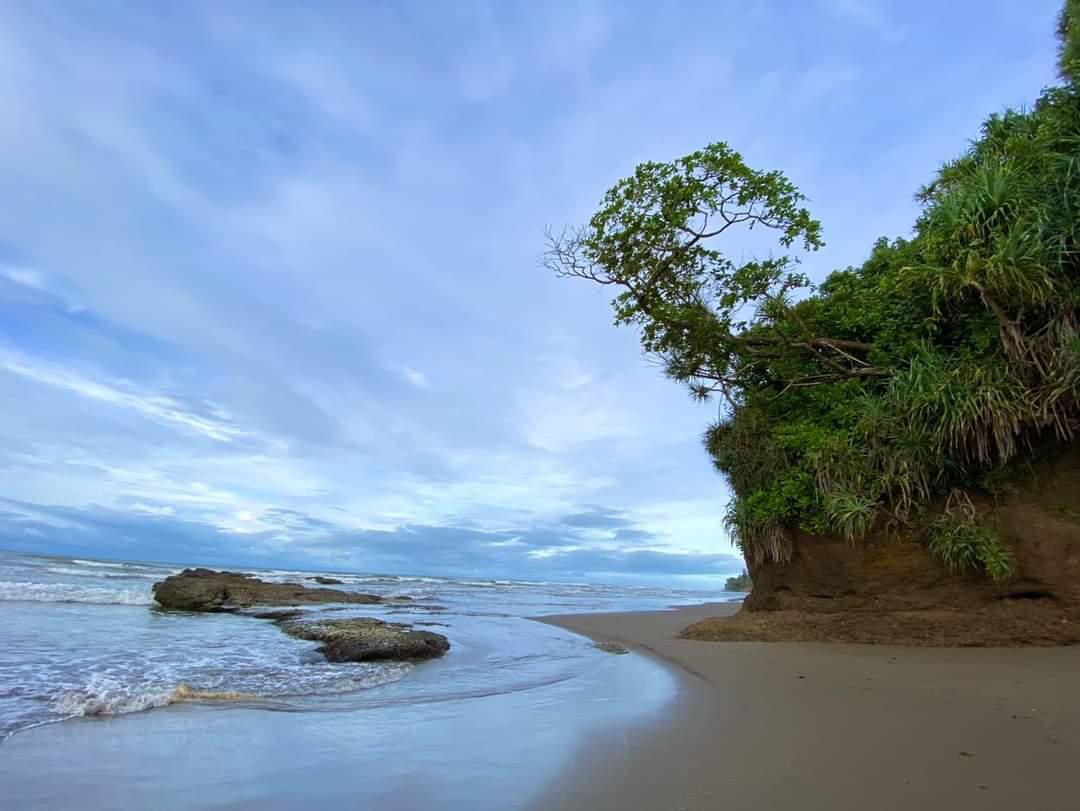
(209, 590)
(365, 639)
(326, 581)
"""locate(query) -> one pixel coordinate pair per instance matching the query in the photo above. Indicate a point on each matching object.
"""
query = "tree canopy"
(929, 370)
(740, 582)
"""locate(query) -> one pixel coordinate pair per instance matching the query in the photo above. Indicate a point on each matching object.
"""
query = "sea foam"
(92, 703)
(102, 563)
(68, 593)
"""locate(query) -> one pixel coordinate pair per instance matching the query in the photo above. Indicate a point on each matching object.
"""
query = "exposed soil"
(888, 588)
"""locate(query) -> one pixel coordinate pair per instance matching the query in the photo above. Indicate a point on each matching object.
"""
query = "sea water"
(82, 643)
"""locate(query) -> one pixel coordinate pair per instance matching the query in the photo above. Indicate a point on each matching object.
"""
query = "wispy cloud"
(268, 285)
(120, 394)
(27, 277)
(414, 377)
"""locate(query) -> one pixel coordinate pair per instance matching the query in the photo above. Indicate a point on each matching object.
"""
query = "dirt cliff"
(889, 588)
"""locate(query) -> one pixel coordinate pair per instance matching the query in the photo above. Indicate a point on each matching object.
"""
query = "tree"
(741, 582)
(925, 373)
(654, 241)
(1069, 37)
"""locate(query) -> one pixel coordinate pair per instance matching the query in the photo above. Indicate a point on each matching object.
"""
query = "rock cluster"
(352, 639)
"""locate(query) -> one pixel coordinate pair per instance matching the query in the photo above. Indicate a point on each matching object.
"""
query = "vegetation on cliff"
(931, 371)
(740, 582)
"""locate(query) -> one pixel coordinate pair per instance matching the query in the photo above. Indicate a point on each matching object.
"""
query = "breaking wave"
(120, 575)
(102, 563)
(92, 703)
(67, 593)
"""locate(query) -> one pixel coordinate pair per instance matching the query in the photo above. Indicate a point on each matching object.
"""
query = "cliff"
(888, 587)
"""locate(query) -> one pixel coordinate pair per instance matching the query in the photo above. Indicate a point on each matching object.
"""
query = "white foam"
(106, 695)
(102, 563)
(88, 703)
(67, 593)
(127, 574)
(94, 702)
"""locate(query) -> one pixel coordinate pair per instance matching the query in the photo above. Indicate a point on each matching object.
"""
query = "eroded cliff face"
(890, 588)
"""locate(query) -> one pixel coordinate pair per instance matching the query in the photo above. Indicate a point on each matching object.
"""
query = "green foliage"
(937, 364)
(741, 582)
(850, 514)
(963, 544)
(1069, 36)
(653, 241)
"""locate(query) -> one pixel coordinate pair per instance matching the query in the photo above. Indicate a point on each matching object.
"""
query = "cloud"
(156, 406)
(598, 518)
(870, 14)
(297, 539)
(269, 289)
(150, 509)
(27, 277)
(414, 377)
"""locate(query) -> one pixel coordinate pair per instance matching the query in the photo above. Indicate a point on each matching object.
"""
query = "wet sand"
(815, 726)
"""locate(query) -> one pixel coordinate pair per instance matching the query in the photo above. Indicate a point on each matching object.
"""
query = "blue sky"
(268, 279)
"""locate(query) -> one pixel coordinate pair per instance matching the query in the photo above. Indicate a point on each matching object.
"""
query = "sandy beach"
(814, 726)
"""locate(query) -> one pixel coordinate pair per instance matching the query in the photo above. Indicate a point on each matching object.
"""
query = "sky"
(269, 292)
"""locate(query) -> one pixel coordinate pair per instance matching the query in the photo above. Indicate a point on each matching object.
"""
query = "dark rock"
(417, 608)
(208, 590)
(607, 646)
(279, 615)
(366, 639)
(326, 581)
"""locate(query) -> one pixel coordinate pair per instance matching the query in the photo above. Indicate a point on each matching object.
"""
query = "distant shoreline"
(818, 726)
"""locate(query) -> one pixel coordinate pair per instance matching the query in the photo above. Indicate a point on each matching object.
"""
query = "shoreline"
(762, 725)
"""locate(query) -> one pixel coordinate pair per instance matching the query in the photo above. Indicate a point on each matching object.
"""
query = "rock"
(326, 581)
(414, 608)
(366, 639)
(607, 646)
(209, 590)
(278, 615)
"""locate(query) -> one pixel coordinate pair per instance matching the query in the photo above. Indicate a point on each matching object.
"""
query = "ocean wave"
(91, 703)
(106, 696)
(67, 593)
(133, 574)
(102, 563)
(368, 579)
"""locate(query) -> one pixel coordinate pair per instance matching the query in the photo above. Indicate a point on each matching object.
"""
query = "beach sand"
(815, 726)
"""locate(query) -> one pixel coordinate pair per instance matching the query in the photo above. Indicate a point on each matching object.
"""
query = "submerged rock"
(366, 639)
(209, 590)
(607, 646)
(277, 615)
(326, 581)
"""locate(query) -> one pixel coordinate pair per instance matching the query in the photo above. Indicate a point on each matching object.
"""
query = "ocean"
(84, 648)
